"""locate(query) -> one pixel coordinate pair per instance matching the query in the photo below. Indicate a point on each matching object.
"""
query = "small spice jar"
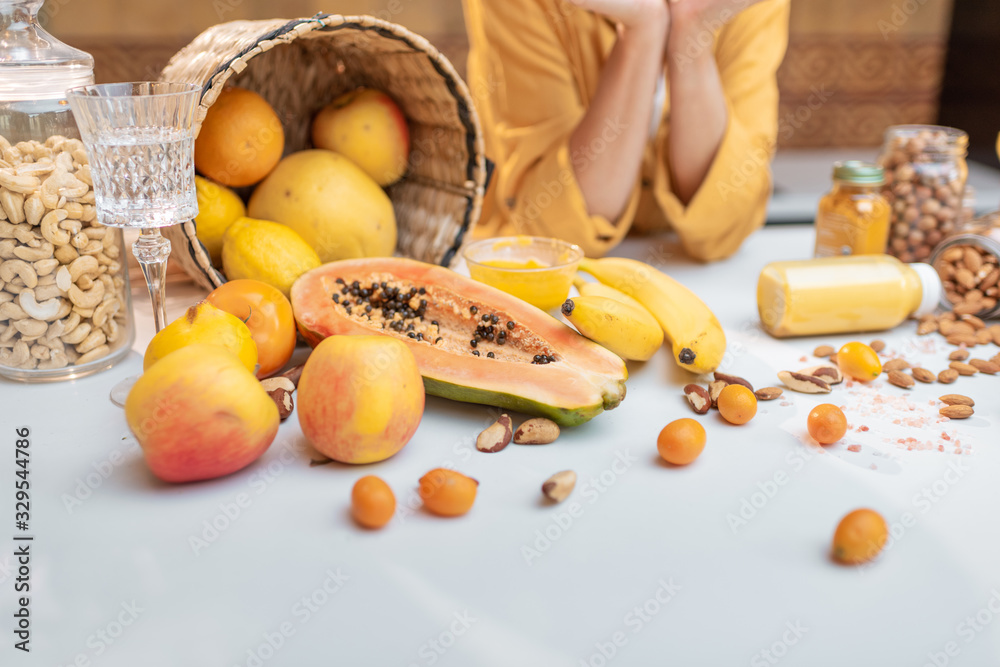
(65, 309)
(925, 173)
(853, 218)
(969, 265)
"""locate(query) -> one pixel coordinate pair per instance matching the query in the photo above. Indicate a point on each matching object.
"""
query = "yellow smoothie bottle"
(847, 294)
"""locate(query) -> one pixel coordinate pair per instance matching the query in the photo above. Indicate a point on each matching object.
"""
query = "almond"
(968, 308)
(495, 437)
(537, 431)
(768, 393)
(733, 379)
(877, 345)
(994, 330)
(984, 366)
(969, 340)
(984, 337)
(957, 399)
(947, 376)
(960, 354)
(926, 327)
(895, 365)
(963, 328)
(823, 351)
(923, 375)
(963, 368)
(946, 327)
(714, 389)
(900, 379)
(806, 384)
(558, 487)
(976, 323)
(956, 411)
(698, 398)
(832, 359)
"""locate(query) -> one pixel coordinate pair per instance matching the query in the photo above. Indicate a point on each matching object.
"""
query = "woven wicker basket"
(299, 66)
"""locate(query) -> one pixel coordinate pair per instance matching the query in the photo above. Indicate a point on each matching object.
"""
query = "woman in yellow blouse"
(610, 115)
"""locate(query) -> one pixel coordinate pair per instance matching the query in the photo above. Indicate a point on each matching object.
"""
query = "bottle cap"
(856, 171)
(931, 283)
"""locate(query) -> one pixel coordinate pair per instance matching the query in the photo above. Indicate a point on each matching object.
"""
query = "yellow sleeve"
(732, 201)
(522, 81)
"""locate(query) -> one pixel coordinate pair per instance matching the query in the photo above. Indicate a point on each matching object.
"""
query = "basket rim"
(477, 168)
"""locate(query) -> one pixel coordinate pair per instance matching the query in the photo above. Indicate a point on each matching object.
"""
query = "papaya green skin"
(593, 363)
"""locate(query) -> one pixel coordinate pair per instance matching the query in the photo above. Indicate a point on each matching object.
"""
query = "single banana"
(695, 334)
(595, 288)
(628, 331)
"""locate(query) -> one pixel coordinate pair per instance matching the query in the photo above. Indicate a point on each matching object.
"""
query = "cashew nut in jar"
(18, 267)
(107, 310)
(76, 336)
(30, 328)
(94, 339)
(43, 251)
(17, 356)
(13, 205)
(85, 265)
(44, 267)
(87, 299)
(51, 231)
(34, 209)
(47, 311)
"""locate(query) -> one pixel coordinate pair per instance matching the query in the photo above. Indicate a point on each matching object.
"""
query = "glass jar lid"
(34, 65)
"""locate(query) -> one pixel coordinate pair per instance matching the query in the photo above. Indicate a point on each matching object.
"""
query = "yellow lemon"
(204, 323)
(266, 251)
(218, 207)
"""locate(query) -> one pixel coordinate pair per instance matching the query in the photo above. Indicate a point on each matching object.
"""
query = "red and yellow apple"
(360, 398)
(198, 413)
(368, 128)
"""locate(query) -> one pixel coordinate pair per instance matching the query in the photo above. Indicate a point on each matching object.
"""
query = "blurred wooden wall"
(853, 67)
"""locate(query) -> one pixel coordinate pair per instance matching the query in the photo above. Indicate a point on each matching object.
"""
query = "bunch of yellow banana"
(695, 334)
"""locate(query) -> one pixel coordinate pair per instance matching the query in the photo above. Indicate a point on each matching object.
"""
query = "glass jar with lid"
(853, 218)
(65, 309)
(969, 265)
(925, 174)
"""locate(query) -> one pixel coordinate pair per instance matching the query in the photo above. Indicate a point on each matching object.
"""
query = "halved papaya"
(472, 343)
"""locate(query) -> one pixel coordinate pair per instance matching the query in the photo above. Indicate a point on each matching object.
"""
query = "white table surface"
(650, 558)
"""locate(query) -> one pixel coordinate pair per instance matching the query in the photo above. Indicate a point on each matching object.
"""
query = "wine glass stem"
(152, 250)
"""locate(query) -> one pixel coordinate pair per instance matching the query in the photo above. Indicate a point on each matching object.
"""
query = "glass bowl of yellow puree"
(537, 269)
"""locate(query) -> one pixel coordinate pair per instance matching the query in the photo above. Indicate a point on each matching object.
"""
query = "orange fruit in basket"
(827, 423)
(737, 404)
(241, 139)
(859, 537)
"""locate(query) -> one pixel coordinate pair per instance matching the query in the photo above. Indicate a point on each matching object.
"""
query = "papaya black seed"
(422, 290)
(475, 352)
(355, 291)
(368, 309)
(420, 336)
(355, 284)
(339, 281)
(511, 325)
(491, 355)
(382, 285)
(473, 342)
(343, 290)
(501, 340)
(412, 335)
(473, 310)
(489, 336)
(336, 298)
(435, 323)
(348, 309)
(423, 303)
(494, 319)
(438, 340)
(366, 292)
(551, 358)
(486, 318)
(409, 327)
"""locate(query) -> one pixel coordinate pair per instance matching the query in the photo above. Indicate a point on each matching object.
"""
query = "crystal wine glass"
(140, 142)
